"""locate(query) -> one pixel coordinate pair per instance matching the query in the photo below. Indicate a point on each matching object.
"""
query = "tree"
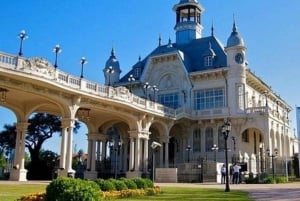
(42, 127)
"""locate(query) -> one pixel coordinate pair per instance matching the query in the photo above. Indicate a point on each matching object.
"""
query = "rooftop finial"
(140, 58)
(112, 52)
(159, 40)
(234, 25)
(212, 28)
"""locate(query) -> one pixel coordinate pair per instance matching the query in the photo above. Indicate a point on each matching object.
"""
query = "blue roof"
(194, 53)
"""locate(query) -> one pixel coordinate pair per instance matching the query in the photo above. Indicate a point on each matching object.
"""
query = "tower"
(112, 69)
(188, 21)
(236, 77)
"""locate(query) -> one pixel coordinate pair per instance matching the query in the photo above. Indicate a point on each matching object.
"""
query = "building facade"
(166, 112)
(208, 83)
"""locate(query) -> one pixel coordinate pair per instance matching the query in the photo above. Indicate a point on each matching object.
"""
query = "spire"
(159, 40)
(234, 29)
(212, 29)
(112, 54)
(235, 39)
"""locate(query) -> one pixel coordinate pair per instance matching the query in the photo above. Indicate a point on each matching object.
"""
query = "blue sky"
(270, 29)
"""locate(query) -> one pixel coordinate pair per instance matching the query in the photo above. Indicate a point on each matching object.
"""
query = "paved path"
(259, 192)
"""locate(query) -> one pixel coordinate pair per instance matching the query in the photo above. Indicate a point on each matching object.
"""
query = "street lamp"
(110, 71)
(22, 35)
(146, 87)
(154, 145)
(116, 148)
(82, 62)
(226, 128)
(155, 89)
(56, 50)
(215, 148)
(272, 156)
(188, 149)
(130, 80)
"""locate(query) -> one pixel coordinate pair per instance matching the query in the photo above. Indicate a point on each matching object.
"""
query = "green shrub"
(67, 189)
(280, 180)
(119, 184)
(268, 180)
(140, 183)
(129, 183)
(105, 185)
(148, 183)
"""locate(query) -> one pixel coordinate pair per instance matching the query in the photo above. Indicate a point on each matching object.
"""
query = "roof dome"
(113, 62)
(235, 39)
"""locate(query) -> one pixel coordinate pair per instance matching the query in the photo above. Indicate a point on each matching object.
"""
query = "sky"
(270, 28)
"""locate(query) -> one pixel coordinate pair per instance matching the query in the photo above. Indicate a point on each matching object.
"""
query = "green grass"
(13, 192)
(191, 194)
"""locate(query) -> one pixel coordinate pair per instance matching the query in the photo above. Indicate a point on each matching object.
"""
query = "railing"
(38, 67)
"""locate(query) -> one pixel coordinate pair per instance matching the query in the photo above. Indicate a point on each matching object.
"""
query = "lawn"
(12, 192)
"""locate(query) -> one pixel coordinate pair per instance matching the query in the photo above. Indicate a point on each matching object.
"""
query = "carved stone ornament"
(39, 65)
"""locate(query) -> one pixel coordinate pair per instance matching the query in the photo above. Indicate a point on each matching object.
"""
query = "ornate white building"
(203, 84)
(207, 83)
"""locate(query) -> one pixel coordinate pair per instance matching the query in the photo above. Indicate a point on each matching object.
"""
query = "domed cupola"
(188, 21)
(112, 69)
(235, 39)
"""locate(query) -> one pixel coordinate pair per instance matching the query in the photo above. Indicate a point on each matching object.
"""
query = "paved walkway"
(259, 192)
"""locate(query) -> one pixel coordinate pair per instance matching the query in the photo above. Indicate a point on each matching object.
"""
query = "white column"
(137, 154)
(63, 146)
(131, 158)
(93, 157)
(19, 173)
(89, 159)
(146, 142)
(69, 155)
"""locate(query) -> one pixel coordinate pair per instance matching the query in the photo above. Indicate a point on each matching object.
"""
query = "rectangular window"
(170, 100)
(208, 61)
(209, 98)
(240, 96)
(197, 140)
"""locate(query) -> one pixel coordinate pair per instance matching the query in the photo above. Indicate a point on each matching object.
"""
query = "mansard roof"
(194, 53)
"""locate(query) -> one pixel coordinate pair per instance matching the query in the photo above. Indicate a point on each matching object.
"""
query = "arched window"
(209, 139)
(197, 140)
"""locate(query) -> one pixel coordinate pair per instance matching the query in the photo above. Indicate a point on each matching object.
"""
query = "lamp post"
(154, 145)
(155, 90)
(56, 50)
(215, 148)
(110, 71)
(130, 80)
(22, 35)
(188, 149)
(115, 147)
(146, 87)
(226, 128)
(82, 62)
(272, 156)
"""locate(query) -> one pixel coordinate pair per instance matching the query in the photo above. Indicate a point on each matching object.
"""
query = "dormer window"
(208, 61)
(137, 72)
